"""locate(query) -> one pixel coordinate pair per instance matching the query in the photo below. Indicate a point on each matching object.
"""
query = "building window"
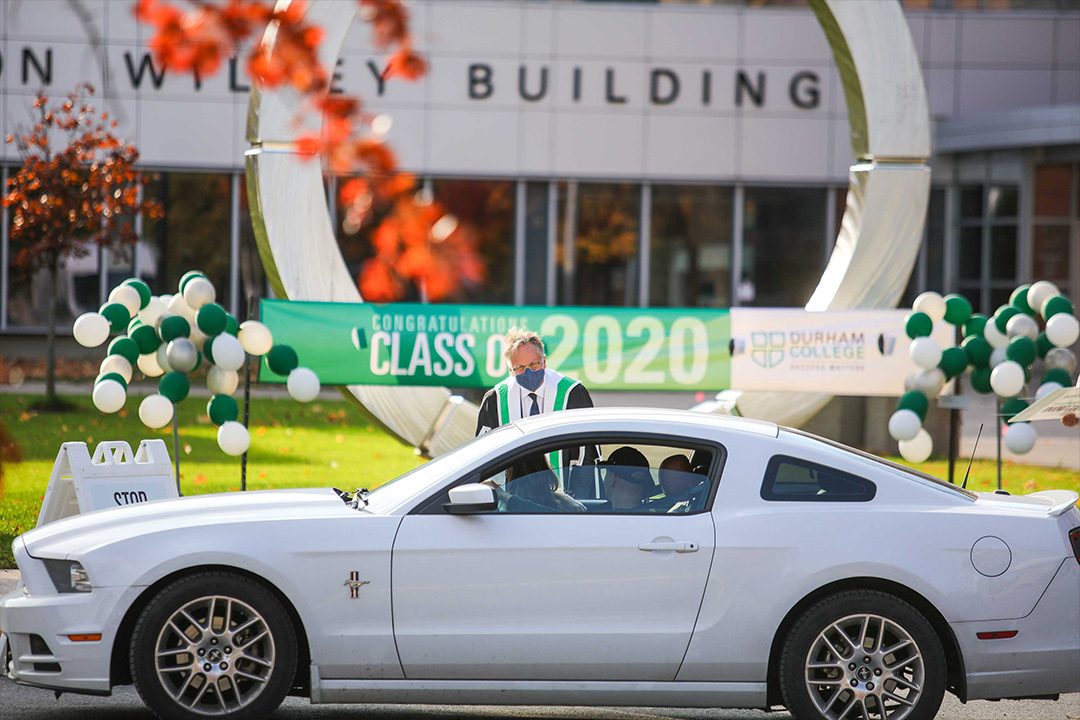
(597, 248)
(537, 250)
(783, 244)
(929, 270)
(690, 246)
(987, 265)
(486, 206)
(1053, 225)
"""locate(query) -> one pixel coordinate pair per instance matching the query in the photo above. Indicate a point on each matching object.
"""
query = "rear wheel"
(213, 645)
(862, 655)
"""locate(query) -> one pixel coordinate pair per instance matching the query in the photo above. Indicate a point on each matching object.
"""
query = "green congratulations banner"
(462, 345)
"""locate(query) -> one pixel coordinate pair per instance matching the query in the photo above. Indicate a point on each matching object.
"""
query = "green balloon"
(918, 324)
(977, 349)
(211, 319)
(1022, 350)
(975, 325)
(282, 359)
(135, 322)
(916, 402)
(188, 276)
(980, 380)
(112, 376)
(126, 347)
(208, 352)
(174, 326)
(1019, 300)
(142, 288)
(175, 386)
(953, 361)
(222, 409)
(117, 315)
(146, 338)
(1056, 304)
(1011, 407)
(957, 309)
(1003, 315)
(1043, 345)
(1059, 375)
(232, 325)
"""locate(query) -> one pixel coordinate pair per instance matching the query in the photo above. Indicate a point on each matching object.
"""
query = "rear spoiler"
(1060, 500)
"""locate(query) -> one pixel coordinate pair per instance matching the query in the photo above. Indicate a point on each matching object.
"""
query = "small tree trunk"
(50, 341)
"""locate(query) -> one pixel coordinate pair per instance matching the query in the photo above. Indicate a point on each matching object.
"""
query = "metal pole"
(997, 425)
(954, 423)
(176, 449)
(247, 399)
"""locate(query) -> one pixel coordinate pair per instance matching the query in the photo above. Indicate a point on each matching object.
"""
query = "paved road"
(21, 703)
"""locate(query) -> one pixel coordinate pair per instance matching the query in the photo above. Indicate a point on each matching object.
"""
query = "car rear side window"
(793, 479)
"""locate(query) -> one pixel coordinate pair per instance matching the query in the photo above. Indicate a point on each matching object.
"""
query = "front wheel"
(862, 655)
(214, 644)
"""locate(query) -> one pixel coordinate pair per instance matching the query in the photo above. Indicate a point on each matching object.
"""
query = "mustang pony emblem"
(354, 583)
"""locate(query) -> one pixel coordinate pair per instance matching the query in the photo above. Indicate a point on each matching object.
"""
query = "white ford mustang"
(703, 561)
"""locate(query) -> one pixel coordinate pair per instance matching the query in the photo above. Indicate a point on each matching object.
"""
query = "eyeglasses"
(534, 366)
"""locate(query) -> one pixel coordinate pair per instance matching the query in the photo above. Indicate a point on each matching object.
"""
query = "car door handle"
(679, 547)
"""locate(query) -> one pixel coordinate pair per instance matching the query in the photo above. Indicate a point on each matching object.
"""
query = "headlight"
(68, 576)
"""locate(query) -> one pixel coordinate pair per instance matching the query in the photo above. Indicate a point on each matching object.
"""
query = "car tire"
(214, 644)
(890, 667)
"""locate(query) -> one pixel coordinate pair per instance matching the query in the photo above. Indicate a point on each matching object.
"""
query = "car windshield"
(420, 480)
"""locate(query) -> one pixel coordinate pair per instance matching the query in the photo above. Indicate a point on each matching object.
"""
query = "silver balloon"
(1022, 325)
(1061, 358)
(182, 355)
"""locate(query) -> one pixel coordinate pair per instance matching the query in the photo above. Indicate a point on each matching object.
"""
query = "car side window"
(794, 479)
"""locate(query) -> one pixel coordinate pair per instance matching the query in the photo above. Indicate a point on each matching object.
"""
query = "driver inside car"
(532, 487)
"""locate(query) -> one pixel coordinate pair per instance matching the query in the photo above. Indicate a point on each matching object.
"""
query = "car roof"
(652, 419)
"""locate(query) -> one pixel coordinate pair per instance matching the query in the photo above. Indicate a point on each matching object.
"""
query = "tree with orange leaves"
(414, 239)
(65, 199)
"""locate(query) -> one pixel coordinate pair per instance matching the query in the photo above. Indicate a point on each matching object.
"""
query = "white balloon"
(994, 336)
(182, 355)
(198, 292)
(925, 352)
(128, 297)
(911, 381)
(109, 396)
(149, 366)
(930, 382)
(1047, 388)
(930, 303)
(1038, 292)
(198, 337)
(153, 310)
(156, 411)
(91, 329)
(1020, 438)
(222, 382)
(1007, 379)
(904, 425)
(233, 438)
(162, 357)
(998, 356)
(1062, 330)
(1022, 326)
(117, 364)
(1060, 357)
(177, 306)
(255, 337)
(303, 384)
(227, 351)
(918, 448)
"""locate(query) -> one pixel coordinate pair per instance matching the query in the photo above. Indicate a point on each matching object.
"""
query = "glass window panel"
(487, 206)
(537, 251)
(999, 296)
(971, 201)
(784, 231)
(973, 296)
(77, 289)
(690, 246)
(935, 241)
(970, 260)
(1003, 252)
(1003, 202)
(598, 240)
(1050, 253)
(193, 235)
(252, 274)
(1052, 190)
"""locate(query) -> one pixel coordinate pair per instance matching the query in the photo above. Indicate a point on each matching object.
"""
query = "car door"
(557, 596)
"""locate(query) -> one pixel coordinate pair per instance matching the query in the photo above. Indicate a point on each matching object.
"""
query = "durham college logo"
(767, 349)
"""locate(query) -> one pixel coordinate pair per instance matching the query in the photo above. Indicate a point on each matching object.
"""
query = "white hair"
(517, 337)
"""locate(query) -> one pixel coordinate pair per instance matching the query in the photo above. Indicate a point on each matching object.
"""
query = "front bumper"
(1044, 656)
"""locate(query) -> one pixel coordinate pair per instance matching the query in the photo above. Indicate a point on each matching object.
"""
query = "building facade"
(606, 153)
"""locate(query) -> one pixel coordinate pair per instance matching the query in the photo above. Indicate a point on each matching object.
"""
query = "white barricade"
(112, 478)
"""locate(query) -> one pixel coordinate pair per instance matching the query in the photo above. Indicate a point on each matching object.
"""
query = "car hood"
(84, 533)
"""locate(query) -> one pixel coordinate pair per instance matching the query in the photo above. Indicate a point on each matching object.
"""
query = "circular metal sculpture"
(874, 253)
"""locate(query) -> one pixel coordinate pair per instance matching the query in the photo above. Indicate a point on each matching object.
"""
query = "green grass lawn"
(321, 444)
(292, 445)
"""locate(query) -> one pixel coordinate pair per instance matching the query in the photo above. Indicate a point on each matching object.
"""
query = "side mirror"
(471, 498)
